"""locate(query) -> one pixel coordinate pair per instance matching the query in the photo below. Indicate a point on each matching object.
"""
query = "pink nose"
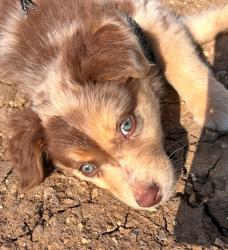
(148, 196)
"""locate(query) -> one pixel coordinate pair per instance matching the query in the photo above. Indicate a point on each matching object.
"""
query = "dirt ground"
(65, 213)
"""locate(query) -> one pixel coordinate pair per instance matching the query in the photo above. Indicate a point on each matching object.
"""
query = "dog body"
(93, 92)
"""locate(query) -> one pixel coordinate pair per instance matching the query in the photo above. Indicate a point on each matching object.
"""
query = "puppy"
(88, 70)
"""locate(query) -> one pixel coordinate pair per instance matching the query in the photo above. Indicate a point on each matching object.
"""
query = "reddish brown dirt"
(66, 213)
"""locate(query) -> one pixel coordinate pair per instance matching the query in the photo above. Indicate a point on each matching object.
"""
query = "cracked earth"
(66, 213)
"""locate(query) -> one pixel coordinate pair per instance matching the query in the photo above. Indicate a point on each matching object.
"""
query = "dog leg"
(205, 97)
(207, 25)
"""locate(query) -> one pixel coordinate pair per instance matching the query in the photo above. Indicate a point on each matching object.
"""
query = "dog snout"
(148, 196)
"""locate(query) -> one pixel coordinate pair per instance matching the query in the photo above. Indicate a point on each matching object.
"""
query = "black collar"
(143, 41)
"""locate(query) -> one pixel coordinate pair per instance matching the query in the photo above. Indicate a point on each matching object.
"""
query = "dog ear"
(111, 53)
(114, 53)
(27, 147)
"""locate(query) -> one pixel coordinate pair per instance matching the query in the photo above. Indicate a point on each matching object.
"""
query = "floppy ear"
(111, 53)
(27, 147)
(114, 53)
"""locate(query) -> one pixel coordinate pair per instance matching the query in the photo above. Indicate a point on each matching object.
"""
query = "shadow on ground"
(202, 217)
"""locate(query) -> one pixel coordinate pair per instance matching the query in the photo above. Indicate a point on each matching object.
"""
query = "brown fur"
(84, 71)
(27, 147)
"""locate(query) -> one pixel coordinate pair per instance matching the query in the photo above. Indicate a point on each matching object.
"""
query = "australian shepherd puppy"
(90, 71)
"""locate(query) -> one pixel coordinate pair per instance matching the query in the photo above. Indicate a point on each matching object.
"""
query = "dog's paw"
(211, 110)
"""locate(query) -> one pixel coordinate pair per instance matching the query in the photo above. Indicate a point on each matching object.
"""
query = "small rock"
(135, 232)
(219, 243)
(224, 145)
(94, 193)
(115, 240)
(162, 237)
(68, 220)
(68, 202)
(206, 53)
(84, 183)
(192, 199)
(193, 177)
(66, 241)
(11, 104)
(21, 196)
(119, 223)
(174, 222)
(13, 189)
(222, 74)
(85, 241)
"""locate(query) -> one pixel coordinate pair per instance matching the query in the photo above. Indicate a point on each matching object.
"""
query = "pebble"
(192, 199)
(119, 223)
(193, 177)
(222, 74)
(11, 104)
(135, 232)
(68, 220)
(21, 196)
(94, 193)
(85, 241)
(218, 242)
(68, 202)
(84, 183)
(13, 189)
(162, 237)
(115, 240)
(206, 53)
(224, 145)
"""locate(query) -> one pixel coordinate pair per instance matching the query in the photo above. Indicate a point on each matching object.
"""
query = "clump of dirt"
(66, 213)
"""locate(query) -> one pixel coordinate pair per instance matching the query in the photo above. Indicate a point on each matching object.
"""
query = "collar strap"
(143, 41)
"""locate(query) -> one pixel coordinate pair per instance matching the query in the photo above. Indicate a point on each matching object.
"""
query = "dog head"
(97, 115)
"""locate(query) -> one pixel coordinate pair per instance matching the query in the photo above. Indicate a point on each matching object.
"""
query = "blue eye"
(127, 126)
(88, 169)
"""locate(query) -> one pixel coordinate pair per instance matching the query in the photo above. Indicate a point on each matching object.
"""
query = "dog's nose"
(148, 196)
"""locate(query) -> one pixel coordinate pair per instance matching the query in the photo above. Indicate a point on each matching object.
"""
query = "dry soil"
(66, 213)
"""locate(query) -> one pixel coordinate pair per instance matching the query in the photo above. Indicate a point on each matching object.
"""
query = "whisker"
(177, 150)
